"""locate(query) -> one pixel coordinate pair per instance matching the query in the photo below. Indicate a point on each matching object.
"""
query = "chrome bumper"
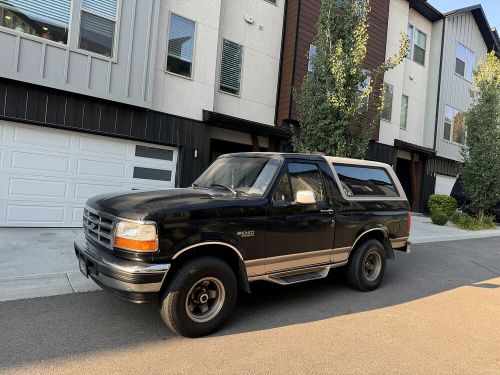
(131, 280)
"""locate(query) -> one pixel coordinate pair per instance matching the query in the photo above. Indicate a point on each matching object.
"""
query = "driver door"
(299, 235)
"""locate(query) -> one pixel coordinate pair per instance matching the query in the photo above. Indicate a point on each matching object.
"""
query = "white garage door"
(46, 175)
(444, 184)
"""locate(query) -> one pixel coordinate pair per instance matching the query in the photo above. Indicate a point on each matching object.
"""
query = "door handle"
(329, 211)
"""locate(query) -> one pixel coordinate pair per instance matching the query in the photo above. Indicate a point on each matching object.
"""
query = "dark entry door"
(299, 235)
(403, 170)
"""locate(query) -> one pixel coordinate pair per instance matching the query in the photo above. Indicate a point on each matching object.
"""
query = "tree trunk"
(480, 214)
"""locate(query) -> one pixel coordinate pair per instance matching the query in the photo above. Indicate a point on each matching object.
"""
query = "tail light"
(408, 225)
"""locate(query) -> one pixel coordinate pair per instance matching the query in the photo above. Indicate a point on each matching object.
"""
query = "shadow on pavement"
(85, 323)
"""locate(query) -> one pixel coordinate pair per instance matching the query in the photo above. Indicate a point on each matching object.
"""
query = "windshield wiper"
(236, 193)
(194, 186)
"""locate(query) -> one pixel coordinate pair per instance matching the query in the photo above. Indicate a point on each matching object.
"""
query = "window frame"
(467, 51)
(284, 172)
(191, 76)
(238, 95)
(392, 102)
(455, 112)
(390, 172)
(401, 112)
(114, 52)
(411, 50)
(39, 39)
(366, 105)
(310, 67)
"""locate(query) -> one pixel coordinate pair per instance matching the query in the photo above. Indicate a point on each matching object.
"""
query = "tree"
(480, 170)
(335, 98)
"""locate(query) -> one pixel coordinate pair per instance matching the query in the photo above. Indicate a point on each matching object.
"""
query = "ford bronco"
(282, 218)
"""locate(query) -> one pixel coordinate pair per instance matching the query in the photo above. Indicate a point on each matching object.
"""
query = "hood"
(144, 204)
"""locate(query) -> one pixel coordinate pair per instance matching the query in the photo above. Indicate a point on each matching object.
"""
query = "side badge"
(246, 233)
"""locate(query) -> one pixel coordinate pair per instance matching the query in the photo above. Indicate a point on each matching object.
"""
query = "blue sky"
(491, 8)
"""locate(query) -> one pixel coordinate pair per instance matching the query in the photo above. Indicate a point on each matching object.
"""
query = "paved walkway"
(423, 230)
(40, 262)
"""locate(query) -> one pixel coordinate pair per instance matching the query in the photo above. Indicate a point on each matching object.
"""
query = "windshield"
(244, 175)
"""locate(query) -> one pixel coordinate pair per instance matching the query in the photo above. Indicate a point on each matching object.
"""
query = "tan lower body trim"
(340, 254)
(291, 261)
(396, 243)
(284, 262)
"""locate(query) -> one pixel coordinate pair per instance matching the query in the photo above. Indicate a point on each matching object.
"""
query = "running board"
(298, 275)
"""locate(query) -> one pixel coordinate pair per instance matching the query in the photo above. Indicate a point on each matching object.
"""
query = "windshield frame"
(265, 194)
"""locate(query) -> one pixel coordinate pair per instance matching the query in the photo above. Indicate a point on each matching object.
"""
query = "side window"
(306, 177)
(283, 193)
(365, 181)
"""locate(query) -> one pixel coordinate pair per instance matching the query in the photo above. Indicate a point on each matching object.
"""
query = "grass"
(464, 221)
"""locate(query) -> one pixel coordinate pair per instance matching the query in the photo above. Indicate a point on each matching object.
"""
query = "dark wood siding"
(300, 32)
(53, 108)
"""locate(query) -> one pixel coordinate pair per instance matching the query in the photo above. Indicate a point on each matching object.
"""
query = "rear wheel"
(367, 266)
(200, 298)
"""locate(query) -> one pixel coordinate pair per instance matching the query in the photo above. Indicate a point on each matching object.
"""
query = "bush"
(442, 203)
(464, 221)
(439, 218)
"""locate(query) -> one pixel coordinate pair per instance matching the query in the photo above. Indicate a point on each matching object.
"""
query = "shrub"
(442, 203)
(439, 218)
(464, 221)
(457, 217)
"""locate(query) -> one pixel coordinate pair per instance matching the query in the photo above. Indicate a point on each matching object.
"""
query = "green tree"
(334, 100)
(481, 154)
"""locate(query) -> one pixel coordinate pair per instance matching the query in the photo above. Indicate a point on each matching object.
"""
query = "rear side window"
(360, 181)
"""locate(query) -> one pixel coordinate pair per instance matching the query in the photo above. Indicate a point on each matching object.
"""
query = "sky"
(491, 8)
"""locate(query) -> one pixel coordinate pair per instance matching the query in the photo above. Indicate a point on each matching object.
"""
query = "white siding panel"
(454, 88)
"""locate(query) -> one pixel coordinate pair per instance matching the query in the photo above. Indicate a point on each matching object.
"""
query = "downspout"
(439, 85)
(278, 91)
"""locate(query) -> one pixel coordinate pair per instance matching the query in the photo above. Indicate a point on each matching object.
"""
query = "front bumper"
(131, 280)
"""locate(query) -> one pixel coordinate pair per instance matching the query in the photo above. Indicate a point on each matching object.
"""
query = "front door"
(299, 235)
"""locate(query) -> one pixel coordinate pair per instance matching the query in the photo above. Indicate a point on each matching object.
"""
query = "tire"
(359, 275)
(200, 297)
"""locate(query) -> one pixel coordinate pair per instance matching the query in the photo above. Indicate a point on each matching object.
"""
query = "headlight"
(136, 236)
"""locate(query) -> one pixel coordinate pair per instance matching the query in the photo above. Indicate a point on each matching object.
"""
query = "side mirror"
(305, 197)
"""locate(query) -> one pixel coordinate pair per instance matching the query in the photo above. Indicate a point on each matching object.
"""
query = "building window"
(362, 86)
(97, 26)
(180, 46)
(418, 44)
(310, 57)
(47, 19)
(464, 62)
(363, 181)
(387, 105)
(454, 125)
(404, 112)
(230, 67)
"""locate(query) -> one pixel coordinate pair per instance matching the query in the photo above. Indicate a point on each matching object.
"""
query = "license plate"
(83, 268)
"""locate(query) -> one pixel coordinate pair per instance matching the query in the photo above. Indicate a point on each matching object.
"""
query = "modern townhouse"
(110, 95)
(421, 125)
(466, 38)
(407, 88)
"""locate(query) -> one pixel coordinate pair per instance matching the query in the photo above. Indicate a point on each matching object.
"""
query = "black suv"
(282, 218)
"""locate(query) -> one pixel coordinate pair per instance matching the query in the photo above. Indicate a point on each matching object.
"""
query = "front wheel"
(200, 298)
(367, 266)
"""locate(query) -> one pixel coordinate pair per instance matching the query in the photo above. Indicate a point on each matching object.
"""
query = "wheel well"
(379, 235)
(222, 252)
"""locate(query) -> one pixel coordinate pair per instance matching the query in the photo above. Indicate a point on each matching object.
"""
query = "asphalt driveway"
(437, 311)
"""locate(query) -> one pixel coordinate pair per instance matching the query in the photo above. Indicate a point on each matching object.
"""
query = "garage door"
(46, 175)
(444, 184)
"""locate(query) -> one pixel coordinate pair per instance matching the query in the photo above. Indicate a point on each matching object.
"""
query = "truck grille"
(98, 228)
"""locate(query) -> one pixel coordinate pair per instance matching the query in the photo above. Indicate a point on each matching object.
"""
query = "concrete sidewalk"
(423, 230)
(40, 262)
